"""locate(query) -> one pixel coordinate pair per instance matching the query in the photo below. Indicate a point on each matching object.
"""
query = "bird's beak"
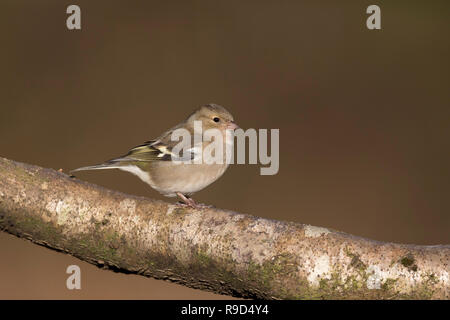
(232, 126)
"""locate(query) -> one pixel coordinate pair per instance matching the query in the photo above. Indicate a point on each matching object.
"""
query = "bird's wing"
(157, 150)
(146, 152)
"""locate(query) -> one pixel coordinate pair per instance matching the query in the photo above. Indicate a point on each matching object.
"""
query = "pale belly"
(170, 178)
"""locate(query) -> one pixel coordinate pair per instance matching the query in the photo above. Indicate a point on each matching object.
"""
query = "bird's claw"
(194, 205)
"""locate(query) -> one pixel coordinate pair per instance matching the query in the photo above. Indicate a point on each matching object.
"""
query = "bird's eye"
(216, 119)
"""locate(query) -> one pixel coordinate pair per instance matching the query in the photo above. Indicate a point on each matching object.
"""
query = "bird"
(172, 175)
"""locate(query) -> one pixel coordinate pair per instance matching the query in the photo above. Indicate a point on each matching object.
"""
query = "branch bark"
(212, 249)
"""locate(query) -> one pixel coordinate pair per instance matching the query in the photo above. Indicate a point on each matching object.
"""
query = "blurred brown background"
(363, 115)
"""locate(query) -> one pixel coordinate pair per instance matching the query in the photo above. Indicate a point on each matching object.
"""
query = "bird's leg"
(188, 201)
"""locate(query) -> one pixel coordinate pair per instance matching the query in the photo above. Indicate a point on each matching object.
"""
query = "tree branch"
(212, 249)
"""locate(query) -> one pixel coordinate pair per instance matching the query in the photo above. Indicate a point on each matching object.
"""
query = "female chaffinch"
(153, 162)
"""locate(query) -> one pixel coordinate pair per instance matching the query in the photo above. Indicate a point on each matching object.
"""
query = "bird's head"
(213, 116)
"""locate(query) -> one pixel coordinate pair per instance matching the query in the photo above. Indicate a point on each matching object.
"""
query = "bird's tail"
(106, 165)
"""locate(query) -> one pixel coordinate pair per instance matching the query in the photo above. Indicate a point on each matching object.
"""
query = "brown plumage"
(153, 161)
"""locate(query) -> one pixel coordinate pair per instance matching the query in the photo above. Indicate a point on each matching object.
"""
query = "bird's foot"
(189, 202)
(187, 205)
(186, 201)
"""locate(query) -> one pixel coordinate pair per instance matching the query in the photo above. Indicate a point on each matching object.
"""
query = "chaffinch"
(170, 173)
